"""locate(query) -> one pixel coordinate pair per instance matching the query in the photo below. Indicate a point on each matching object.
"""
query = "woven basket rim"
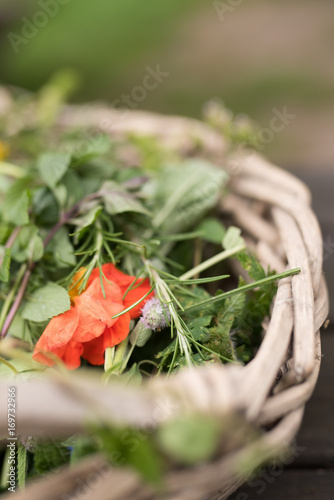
(291, 346)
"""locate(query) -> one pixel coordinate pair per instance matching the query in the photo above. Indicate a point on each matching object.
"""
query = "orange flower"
(87, 329)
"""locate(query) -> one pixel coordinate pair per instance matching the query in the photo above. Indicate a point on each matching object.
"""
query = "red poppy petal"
(95, 312)
(72, 354)
(93, 351)
(136, 294)
(113, 274)
(56, 335)
(118, 332)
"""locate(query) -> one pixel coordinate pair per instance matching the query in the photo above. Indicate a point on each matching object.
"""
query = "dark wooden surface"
(311, 474)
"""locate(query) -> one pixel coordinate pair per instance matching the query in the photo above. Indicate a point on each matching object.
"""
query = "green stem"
(5, 470)
(211, 262)
(11, 295)
(245, 288)
(109, 355)
(7, 363)
(120, 355)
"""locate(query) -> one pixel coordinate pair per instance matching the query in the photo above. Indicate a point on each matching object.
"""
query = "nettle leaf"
(28, 245)
(52, 167)
(62, 249)
(16, 204)
(190, 439)
(49, 455)
(212, 230)
(185, 192)
(232, 238)
(48, 301)
(117, 201)
(5, 265)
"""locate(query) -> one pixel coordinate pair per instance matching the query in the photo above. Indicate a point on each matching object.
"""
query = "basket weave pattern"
(273, 209)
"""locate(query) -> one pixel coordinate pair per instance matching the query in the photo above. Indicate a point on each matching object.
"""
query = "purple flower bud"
(155, 314)
(28, 442)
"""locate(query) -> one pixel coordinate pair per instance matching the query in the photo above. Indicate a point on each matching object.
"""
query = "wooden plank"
(298, 484)
(321, 184)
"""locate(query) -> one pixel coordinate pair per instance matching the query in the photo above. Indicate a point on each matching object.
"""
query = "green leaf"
(45, 207)
(133, 448)
(16, 204)
(49, 455)
(5, 265)
(90, 148)
(28, 245)
(22, 466)
(80, 447)
(52, 167)
(132, 376)
(89, 216)
(62, 249)
(197, 327)
(190, 439)
(140, 335)
(20, 329)
(117, 201)
(48, 301)
(232, 238)
(212, 230)
(251, 265)
(183, 193)
(220, 340)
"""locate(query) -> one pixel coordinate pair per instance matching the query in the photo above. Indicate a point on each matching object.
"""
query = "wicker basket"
(270, 393)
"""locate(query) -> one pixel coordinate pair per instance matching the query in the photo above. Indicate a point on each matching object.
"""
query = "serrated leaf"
(212, 230)
(190, 439)
(48, 301)
(5, 264)
(220, 340)
(49, 455)
(197, 327)
(117, 201)
(251, 265)
(52, 167)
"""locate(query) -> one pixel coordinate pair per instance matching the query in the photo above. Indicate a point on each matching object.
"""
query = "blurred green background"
(257, 56)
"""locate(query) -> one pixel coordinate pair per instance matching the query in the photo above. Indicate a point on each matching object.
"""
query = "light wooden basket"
(274, 210)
